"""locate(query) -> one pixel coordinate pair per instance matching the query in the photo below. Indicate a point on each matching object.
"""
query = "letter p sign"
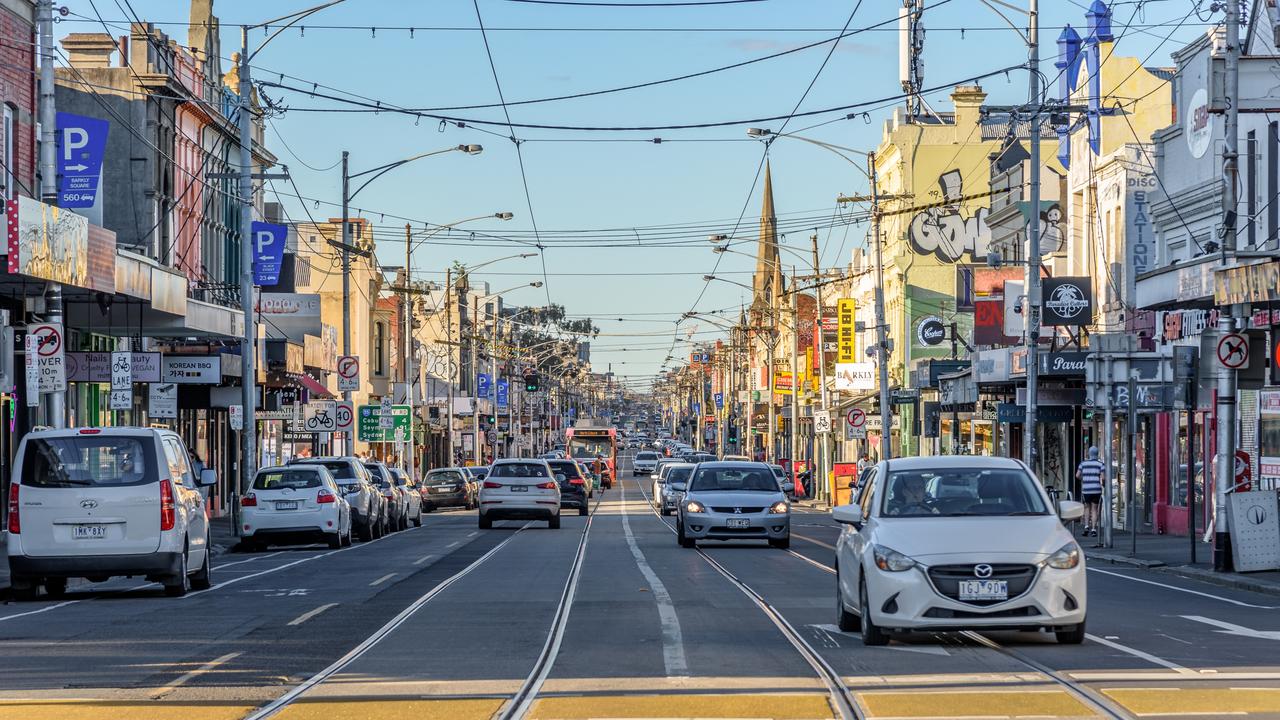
(73, 139)
(268, 242)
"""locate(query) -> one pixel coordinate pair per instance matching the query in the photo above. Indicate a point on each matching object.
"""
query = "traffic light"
(531, 382)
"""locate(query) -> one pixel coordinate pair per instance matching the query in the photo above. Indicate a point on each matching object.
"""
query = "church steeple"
(767, 282)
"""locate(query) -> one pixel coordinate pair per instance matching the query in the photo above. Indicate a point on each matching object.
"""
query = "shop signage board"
(191, 369)
(162, 400)
(846, 319)
(1247, 284)
(47, 242)
(855, 376)
(369, 427)
(931, 331)
(1011, 413)
(1068, 301)
(98, 366)
(348, 373)
(1063, 363)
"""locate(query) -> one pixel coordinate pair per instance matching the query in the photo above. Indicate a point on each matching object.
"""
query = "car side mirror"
(653, 477)
(848, 515)
(1070, 510)
(208, 477)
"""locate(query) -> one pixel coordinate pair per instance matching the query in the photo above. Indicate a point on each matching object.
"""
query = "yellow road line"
(107, 710)
(772, 706)
(974, 704)
(1192, 701)
(393, 709)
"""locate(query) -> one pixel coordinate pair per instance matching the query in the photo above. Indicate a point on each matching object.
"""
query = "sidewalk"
(222, 539)
(1172, 554)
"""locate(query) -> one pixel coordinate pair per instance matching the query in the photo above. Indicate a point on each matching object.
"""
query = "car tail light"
(324, 497)
(168, 516)
(15, 520)
(546, 486)
(491, 484)
(89, 431)
(249, 500)
(577, 481)
(389, 495)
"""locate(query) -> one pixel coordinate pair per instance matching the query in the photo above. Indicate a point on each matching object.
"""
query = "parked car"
(295, 504)
(787, 483)
(644, 462)
(410, 490)
(368, 507)
(593, 480)
(446, 487)
(947, 543)
(100, 503)
(475, 476)
(520, 489)
(397, 499)
(674, 486)
(573, 485)
(733, 501)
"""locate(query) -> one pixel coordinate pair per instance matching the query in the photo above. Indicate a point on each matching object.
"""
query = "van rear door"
(95, 493)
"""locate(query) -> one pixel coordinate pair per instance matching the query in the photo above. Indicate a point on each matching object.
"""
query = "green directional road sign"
(367, 424)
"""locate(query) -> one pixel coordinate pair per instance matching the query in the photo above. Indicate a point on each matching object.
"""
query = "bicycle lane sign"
(319, 416)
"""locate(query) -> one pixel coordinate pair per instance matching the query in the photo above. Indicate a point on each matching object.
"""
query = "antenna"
(910, 49)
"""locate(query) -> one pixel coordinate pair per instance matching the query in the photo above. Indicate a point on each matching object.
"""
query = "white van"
(97, 503)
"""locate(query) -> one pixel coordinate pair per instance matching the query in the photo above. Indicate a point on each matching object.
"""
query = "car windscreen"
(340, 469)
(647, 456)
(444, 476)
(568, 468)
(519, 470)
(291, 479)
(87, 461)
(956, 492)
(735, 479)
(678, 476)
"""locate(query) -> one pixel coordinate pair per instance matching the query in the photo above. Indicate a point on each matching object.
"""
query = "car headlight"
(1066, 558)
(891, 560)
(694, 506)
(779, 508)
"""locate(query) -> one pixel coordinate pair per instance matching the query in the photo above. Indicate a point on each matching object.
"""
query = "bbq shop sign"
(1068, 301)
(931, 331)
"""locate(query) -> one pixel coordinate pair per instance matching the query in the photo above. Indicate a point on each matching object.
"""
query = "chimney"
(89, 50)
(968, 101)
(122, 44)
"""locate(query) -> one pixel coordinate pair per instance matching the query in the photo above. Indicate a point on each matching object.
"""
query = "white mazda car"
(958, 543)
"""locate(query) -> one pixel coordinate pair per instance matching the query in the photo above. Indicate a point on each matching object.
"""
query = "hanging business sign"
(931, 331)
(846, 322)
(1199, 124)
(855, 376)
(99, 367)
(268, 252)
(192, 369)
(1063, 363)
(1068, 301)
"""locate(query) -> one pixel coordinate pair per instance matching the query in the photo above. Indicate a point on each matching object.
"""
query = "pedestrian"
(1089, 473)
(864, 462)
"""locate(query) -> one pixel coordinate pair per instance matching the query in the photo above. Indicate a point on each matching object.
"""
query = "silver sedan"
(733, 501)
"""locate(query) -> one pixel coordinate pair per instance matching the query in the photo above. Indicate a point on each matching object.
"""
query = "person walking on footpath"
(1089, 473)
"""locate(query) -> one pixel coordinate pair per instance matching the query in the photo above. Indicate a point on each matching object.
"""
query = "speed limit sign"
(344, 417)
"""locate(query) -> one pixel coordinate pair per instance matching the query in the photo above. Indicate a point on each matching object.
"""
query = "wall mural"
(944, 231)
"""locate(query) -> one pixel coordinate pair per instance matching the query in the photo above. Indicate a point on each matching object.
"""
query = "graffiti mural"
(1052, 230)
(944, 231)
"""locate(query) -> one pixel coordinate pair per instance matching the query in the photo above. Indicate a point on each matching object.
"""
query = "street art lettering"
(944, 231)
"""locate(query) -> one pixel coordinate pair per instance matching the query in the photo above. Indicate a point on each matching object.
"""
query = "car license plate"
(519, 488)
(286, 504)
(984, 589)
(89, 532)
(739, 523)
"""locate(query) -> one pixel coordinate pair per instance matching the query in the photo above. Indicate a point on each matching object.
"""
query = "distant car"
(704, 457)
(675, 482)
(475, 476)
(410, 489)
(733, 501)
(520, 489)
(644, 463)
(958, 543)
(368, 507)
(446, 487)
(105, 502)
(295, 504)
(784, 480)
(573, 485)
(397, 498)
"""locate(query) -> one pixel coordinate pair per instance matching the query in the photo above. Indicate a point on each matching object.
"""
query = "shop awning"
(315, 388)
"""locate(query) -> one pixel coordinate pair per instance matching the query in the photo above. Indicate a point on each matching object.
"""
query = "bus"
(587, 441)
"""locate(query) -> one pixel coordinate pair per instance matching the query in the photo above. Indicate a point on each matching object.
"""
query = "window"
(379, 352)
(86, 461)
(512, 470)
(341, 469)
(961, 491)
(8, 175)
(291, 479)
(734, 479)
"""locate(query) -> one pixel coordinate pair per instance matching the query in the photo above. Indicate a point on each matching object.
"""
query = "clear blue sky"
(578, 185)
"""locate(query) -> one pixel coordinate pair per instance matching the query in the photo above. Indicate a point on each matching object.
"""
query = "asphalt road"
(606, 618)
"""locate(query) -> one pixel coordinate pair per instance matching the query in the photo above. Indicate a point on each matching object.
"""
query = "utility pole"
(1224, 466)
(955, 405)
(407, 362)
(349, 445)
(882, 340)
(56, 402)
(448, 333)
(1032, 315)
(820, 357)
(795, 375)
(475, 365)
(248, 365)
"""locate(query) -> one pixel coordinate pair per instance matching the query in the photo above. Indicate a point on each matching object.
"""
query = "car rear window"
(647, 456)
(86, 461)
(339, 469)
(568, 467)
(479, 473)
(281, 479)
(507, 470)
(734, 479)
(443, 476)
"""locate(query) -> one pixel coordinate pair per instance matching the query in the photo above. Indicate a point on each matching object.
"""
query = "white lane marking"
(673, 657)
(37, 612)
(1233, 629)
(276, 705)
(815, 542)
(220, 566)
(382, 579)
(453, 545)
(473, 533)
(187, 677)
(311, 613)
(1184, 590)
(815, 563)
(423, 559)
(1141, 654)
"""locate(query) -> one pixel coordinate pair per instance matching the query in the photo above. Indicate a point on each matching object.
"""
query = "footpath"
(222, 539)
(1172, 554)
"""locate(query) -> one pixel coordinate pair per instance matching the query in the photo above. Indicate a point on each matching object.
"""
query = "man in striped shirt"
(1089, 473)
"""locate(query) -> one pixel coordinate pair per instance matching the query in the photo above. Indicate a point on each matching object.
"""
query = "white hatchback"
(296, 503)
(948, 543)
(520, 489)
(98, 503)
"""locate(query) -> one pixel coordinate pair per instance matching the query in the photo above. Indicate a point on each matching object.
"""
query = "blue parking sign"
(504, 392)
(82, 142)
(268, 251)
(482, 385)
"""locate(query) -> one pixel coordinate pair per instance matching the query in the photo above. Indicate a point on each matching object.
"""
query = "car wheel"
(782, 543)
(554, 522)
(1073, 635)
(404, 522)
(871, 634)
(845, 620)
(366, 530)
(25, 589)
(204, 578)
(685, 542)
(347, 539)
(55, 587)
(664, 511)
(335, 540)
(582, 510)
(485, 522)
(178, 583)
(417, 522)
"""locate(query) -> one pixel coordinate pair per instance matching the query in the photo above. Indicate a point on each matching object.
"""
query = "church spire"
(767, 282)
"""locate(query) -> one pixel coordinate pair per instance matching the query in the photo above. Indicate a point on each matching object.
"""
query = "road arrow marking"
(1232, 629)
